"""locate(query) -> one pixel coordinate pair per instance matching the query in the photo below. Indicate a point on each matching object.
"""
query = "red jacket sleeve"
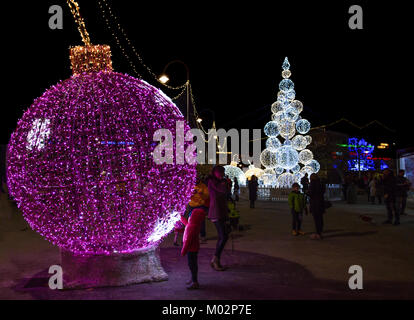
(184, 220)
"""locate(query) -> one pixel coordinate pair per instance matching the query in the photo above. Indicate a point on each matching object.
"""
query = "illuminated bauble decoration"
(273, 143)
(299, 142)
(286, 180)
(296, 169)
(81, 169)
(253, 171)
(305, 156)
(271, 129)
(290, 147)
(286, 74)
(303, 126)
(268, 158)
(306, 170)
(298, 176)
(291, 114)
(235, 173)
(314, 165)
(287, 129)
(279, 170)
(287, 157)
(297, 105)
(286, 85)
(286, 64)
(277, 107)
(290, 95)
(279, 117)
(268, 180)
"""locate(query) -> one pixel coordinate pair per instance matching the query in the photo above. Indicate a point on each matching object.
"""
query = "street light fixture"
(163, 79)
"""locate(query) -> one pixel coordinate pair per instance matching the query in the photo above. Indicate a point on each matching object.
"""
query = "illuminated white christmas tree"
(287, 140)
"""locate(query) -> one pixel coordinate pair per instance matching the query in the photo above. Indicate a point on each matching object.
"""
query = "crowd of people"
(215, 197)
(380, 187)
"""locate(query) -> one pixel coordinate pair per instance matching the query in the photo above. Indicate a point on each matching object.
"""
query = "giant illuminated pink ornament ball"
(81, 169)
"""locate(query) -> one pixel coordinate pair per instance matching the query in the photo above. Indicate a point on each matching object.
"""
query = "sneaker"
(396, 223)
(387, 222)
(294, 233)
(188, 282)
(301, 232)
(193, 286)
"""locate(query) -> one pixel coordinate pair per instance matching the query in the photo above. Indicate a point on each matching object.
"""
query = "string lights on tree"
(287, 140)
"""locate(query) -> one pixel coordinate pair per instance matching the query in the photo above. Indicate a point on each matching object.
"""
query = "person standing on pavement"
(191, 243)
(317, 204)
(297, 204)
(253, 185)
(236, 189)
(305, 183)
(219, 190)
(403, 186)
(390, 188)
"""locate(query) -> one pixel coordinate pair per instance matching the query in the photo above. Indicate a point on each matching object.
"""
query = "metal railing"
(333, 193)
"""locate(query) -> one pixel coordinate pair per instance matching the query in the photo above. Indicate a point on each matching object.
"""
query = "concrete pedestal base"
(117, 269)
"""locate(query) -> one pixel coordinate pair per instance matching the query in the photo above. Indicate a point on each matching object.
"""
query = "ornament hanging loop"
(74, 8)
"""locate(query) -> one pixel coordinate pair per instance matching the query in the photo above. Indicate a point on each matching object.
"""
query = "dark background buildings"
(234, 51)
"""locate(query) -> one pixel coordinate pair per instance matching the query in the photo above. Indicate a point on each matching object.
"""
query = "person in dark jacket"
(403, 186)
(218, 189)
(317, 204)
(305, 183)
(253, 185)
(390, 187)
(236, 189)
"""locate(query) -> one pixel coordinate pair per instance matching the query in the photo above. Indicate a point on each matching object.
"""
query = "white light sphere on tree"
(273, 143)
(286, 85)
(314, 165)
(287, 129)
(295, 169)
(308, 140)
(287, 157)
(303, 126)
(299, 142)
(277, 107)
(279, 170)
(279, 117)
(291, 114)
(271, 129)
(305, 156)
(286, 74)
(306, 169)
(297, 105)
(286, 180)
(268, 158)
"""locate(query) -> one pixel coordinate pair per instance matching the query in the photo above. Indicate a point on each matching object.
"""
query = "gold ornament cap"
(92, 58)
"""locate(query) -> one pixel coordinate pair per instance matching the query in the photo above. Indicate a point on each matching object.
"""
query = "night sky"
(234, 50)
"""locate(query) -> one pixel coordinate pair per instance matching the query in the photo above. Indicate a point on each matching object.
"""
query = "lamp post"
(164, 79)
